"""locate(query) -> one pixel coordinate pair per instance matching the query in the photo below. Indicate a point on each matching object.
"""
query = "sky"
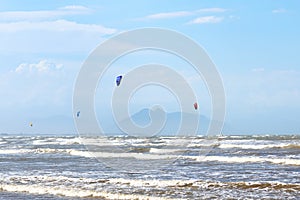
(254, 44)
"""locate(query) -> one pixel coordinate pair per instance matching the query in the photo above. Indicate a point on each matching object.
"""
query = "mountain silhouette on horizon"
(172, 124)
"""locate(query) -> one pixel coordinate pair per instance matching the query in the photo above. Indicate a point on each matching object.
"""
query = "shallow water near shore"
(238, 167)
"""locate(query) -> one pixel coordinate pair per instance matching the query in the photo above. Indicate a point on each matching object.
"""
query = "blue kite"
(118, 80)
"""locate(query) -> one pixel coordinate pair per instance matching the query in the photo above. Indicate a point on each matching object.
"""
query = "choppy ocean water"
(234, 167)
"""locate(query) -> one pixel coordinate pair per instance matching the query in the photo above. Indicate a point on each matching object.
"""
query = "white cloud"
(277, 11)
(167, 15)
(212, 10)
(44, 14)
(21, 68)
(58, 25)
(43, 83)
(52, 37)
(75, 8)
(42, 66)
(206, 19)
(48, 31)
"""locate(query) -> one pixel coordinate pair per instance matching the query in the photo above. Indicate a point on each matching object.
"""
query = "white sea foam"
(164, 150)
(68, 141)
(12, 151)
(245, 159)
(101, 141)
(72, 192)
(92, 183)
(74, 152)
(41, 178)
(203, 145)
(45, 151)
(258, 146)
(88, 187)
(58, 141)
(148, 142)
(153, 183)
(146, 156)
(140, 156)
(85, 187)
(156, 154)
(131, 142)
(43, 142)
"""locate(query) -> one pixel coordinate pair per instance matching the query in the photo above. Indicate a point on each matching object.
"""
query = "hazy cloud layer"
(44, 14)
(57, 26)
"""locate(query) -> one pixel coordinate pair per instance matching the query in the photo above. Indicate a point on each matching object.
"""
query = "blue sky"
(254, 44)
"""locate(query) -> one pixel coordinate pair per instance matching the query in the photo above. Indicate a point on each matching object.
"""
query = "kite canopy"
(195, 105)
(118, 80)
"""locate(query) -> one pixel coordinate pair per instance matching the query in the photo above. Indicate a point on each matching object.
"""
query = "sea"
(118, 167)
